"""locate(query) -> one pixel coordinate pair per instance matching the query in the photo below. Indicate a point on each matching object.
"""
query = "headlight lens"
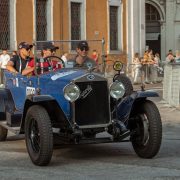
(117, 90)
(71, 92)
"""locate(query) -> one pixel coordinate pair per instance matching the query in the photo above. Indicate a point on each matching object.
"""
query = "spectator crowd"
(147, 69)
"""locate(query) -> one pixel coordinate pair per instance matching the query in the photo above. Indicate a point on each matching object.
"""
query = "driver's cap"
(25, 45)
(49, 45)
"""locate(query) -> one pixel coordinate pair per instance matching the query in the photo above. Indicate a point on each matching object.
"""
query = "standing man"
(19, 63)
(4, 58)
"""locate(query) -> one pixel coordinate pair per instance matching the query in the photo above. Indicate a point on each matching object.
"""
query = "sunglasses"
(84, 48)
(28, 49)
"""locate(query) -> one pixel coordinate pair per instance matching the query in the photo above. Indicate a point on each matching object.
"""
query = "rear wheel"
(3, 133)
(39, 135)
(146, 130)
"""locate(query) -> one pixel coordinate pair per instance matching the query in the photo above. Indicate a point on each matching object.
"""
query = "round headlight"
(71, 92)
(118, 66)
(117, 90)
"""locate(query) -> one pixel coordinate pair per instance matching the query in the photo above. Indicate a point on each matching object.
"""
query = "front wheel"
(39, 135)
(146, 130)
(3, 133)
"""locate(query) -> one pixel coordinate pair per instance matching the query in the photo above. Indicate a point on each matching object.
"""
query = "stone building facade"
(153, 24)
(128, 26)
(28, 20)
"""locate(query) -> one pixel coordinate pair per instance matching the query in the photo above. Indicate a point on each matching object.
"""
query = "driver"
(82, 59)
(19, 63)
(48, 49)
(43, 64)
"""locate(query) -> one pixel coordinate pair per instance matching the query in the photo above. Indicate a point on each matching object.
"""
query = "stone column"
(170, 14)
(177, 26)
(135, 28)
(163, 41)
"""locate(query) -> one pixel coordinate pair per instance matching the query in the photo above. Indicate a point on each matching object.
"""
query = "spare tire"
(126, 82)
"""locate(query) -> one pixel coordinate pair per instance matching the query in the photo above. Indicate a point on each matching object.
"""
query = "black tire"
(147, 126)
(126, 82)
(39, 135)
(3, 133)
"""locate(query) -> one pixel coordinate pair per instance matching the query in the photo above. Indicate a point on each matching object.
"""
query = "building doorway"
(153, 29)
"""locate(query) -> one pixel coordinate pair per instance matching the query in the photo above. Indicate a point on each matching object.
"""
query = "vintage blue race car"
(73, 106)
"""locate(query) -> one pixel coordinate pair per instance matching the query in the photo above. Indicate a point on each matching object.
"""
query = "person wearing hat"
(82, 59)
(48, 49)
(19, 63)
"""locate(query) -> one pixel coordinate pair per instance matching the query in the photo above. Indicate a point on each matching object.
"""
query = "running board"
(15, 130)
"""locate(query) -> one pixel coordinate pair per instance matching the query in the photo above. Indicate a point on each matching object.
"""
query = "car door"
(19, 87)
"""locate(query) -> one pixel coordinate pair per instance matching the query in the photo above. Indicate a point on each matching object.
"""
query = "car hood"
(65, 76)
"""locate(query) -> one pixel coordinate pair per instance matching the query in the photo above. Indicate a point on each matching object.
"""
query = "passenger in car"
(82, 59)
(19, 63)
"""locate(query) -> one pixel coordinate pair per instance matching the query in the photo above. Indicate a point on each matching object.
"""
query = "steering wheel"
(49, 63)
(50, 60)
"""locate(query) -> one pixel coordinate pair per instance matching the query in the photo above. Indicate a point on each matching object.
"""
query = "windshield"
(87, 54)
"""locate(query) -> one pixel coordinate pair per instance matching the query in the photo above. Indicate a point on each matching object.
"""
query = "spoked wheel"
(3, 133)
(34, 136)
(146, 130)
(39, 135)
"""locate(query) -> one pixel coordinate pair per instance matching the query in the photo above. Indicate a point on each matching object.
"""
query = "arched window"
(151, 13)
(4, 24)
(152, 19)
(153, 29)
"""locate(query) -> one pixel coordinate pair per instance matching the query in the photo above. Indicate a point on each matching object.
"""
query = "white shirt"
(4, 60)
(63, 57)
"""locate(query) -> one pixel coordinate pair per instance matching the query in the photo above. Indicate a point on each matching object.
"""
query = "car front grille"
(92, 108)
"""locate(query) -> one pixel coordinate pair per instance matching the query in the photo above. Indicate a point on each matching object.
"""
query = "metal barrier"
(146, 73)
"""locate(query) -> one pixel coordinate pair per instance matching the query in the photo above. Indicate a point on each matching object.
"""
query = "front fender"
(125, 106)
(55, 112)
(147, 93)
